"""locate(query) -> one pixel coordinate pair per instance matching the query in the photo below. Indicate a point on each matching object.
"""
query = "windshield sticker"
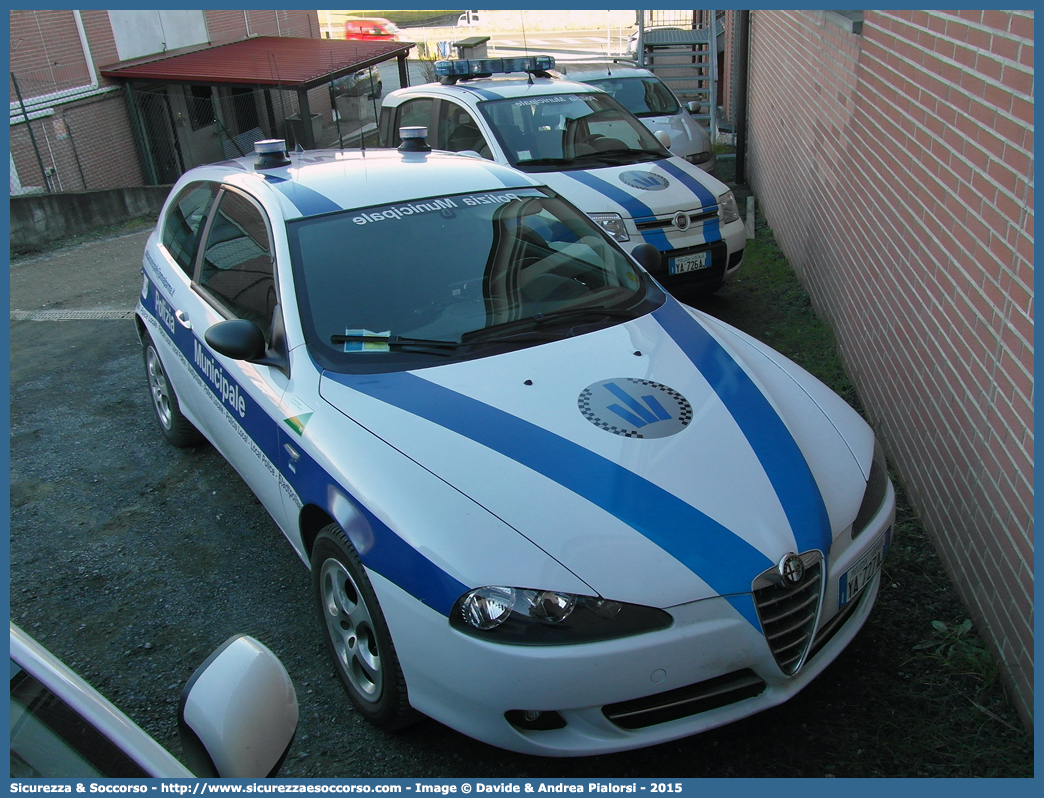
(524, 155)
(545, 100)
(379, 345)
(444, 205)
(401, 211)
(300, 413)
(489, 199)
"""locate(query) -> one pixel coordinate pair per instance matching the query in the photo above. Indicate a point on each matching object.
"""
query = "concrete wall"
(895, 167)
(38, 219)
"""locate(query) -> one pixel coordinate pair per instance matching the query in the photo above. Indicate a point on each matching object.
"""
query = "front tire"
(177, 429)
(356, 633)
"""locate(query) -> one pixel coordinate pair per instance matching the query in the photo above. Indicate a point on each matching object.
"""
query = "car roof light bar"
(462, 69)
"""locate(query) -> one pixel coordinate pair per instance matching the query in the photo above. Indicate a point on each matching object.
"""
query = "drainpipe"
(742, 57)
(86, 50)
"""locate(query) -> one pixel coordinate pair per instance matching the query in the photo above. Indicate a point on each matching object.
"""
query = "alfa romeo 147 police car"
(590, 149)
(542, 501)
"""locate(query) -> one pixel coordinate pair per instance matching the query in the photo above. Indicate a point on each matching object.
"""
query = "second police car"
(587, 147)
(542, 501)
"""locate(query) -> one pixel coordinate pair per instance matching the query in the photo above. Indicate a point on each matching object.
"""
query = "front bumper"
(726, 256)
(711, 667)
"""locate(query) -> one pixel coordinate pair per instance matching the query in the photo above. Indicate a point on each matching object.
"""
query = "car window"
(50, 739)
(184, 223)
(447, 267)
(412, 113)
(566, 131)
(646, 96)
(457, 130)
(237, 265)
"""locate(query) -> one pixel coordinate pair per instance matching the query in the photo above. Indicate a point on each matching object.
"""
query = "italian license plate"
(689, 263)
(859, 575)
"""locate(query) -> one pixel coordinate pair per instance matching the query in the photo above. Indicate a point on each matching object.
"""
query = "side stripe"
(635, 208)
(308, 201)
(388, 555)
(483, 93)
(722, 559)
(711, 229)
(768, 436)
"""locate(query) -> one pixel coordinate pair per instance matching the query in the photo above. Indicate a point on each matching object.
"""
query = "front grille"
(834, 624)
(788, 614)
(697, 218)
(685, 701)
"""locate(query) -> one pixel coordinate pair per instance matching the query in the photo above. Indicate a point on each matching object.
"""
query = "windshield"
(570, 131)
(453, 275)
(642, 96)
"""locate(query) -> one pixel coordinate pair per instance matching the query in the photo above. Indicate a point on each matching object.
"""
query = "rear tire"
(177, 429)
(356, 633)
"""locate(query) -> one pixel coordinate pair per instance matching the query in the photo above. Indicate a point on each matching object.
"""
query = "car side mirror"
(664, 138)
(238, 712)
(241, 339)
(648, 256)
(238, 339)
(694, 107)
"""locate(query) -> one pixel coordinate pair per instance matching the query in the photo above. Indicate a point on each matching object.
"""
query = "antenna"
(525, 43)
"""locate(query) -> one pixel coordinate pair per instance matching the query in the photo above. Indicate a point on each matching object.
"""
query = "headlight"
(876, 488)
(697, 158)
(613, 224)
(523, 617)
(729, 208)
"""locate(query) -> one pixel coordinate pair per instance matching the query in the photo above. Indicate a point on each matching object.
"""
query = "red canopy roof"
(268, 61)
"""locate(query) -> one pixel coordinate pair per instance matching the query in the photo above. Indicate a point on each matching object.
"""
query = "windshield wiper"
(400, 342)
(530, 323)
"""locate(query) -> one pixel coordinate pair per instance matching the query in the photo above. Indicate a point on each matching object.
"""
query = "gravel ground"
(132, 560)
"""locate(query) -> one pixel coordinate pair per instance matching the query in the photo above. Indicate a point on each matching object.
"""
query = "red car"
(373, 29)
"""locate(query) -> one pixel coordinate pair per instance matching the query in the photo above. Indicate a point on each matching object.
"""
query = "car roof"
(326, 181)
(603, 71)
(503, 87)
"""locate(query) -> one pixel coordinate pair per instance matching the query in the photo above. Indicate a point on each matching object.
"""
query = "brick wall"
(89, 143)
(895, 168)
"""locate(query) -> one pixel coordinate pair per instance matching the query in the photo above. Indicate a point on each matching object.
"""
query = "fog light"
(534, 719)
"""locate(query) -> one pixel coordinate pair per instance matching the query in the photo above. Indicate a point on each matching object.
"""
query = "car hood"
(642, 191)
(662, 461)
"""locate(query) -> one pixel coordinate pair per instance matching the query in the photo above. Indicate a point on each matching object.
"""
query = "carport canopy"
(267, 62)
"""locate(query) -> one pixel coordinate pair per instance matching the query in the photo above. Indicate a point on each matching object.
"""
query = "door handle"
(183, 319)
(290, 450)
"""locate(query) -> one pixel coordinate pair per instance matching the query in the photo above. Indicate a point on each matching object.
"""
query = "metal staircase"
(682, 49)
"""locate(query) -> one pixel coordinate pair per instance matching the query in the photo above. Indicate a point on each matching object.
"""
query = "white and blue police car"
(542, 501)
(590, 149)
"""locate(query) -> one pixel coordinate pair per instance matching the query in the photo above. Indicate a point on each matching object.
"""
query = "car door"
(236, 402)
(456, 130)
